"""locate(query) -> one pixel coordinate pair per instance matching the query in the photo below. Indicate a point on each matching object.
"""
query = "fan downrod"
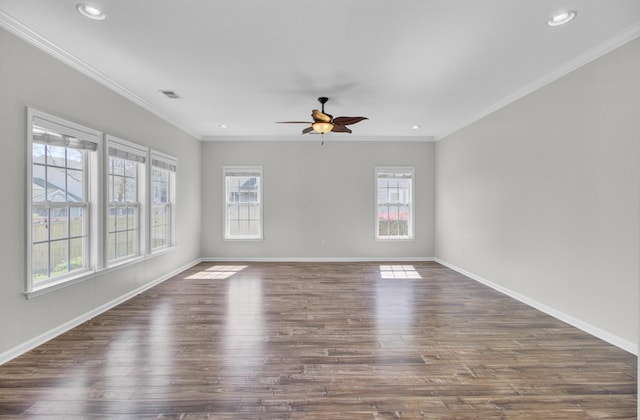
(323, 100)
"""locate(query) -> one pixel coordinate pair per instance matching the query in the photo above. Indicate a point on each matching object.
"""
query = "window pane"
(77, 260)
(38, 153)
(75, 158)
(56, 155)
(40, 258)
(130, 190)
(121, 220)
(39, 225)
(59, 223)
(130, 168)
(132, 246)
(132, 216)
(254, 228)
(59, 255)
(111, 219)
(383, 228)
(117, 166)
(121, 244)
(74, 185)
(38, 183)
(56, 181)
(118, 186)
(76, 221)
(111, 246)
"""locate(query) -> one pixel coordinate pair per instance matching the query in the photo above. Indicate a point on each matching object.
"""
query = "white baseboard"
(586, 327)
(61, 329)
(318, 259)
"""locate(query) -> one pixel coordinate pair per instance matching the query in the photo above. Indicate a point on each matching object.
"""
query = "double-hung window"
(163, 198)
(126, 163)
(243, 202)
(63, 200)
(394, 202)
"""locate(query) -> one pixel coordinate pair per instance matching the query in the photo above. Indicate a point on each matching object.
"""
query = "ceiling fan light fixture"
(562, 18)
(322, 127)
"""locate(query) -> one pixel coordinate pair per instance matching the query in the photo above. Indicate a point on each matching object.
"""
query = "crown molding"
(317, 138)
(623, 37)
(17, 28)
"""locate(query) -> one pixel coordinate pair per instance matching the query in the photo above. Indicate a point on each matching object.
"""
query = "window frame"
(127, 150)
(169, 164)
(411, 220)
(249, 170)
(92, 200)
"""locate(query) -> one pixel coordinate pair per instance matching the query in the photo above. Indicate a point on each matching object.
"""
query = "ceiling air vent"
(170, 94)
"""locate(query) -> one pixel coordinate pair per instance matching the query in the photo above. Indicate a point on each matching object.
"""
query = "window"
(163, 193)
(243, 202)
(125, 188)
(394, 203)
(63, 200)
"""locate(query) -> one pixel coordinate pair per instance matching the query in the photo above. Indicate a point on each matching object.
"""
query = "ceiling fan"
(323, 123)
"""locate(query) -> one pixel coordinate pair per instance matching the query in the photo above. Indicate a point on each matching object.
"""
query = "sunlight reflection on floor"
(217, 272)
(399, 272)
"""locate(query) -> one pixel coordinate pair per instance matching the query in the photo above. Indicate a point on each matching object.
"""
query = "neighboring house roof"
(55, 192)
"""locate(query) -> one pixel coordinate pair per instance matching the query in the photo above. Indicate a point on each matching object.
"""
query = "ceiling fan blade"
(320, 116)
(293, 122)
(348, 120)
(339, 128)
(307, 130)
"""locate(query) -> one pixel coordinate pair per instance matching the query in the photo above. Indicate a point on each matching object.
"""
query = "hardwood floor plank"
(321, 340)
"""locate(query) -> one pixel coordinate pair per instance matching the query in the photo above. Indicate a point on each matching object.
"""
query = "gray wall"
(29, 77)
(542, 197)
(314, 193)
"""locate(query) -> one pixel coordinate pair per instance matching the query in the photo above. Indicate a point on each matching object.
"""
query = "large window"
(394, 202)
(243, 202)
(63, 199)
(92, 206)
(163, 190)
(125, 191)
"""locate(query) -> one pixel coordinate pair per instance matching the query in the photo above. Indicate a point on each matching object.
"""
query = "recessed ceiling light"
(415, 127)
(562, 18)
(91, 12)
(223, 125)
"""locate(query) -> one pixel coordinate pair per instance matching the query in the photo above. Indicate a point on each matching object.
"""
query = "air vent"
(170, 94)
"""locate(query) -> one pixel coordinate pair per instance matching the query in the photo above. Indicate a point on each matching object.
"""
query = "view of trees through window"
(160, 207)
(122, 217)
(59, 209)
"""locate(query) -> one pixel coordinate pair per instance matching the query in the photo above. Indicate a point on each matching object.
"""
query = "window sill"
(89, 274)
(163, 250)
(60, 284)
(396, 239)
(244, 239)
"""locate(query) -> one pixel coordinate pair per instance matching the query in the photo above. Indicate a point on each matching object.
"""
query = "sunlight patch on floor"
(399, 272)
(217, 272)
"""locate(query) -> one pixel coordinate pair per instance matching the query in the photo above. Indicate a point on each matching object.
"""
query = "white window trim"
(142, 197)
(225, 226)
(171, 162)
(94, 198)
(395, 169)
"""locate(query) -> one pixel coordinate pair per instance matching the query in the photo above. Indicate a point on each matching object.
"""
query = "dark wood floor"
(326, 340)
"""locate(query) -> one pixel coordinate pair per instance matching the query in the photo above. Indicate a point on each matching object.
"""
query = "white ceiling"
(440, 64)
